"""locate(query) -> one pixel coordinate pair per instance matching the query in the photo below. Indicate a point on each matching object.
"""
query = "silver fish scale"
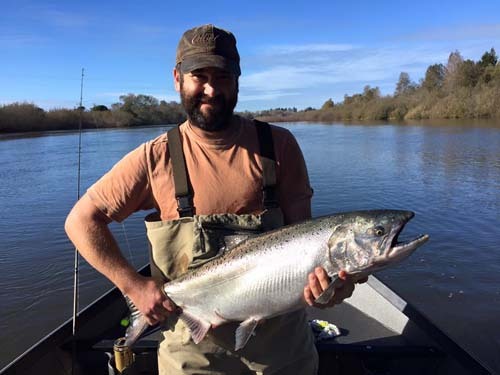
(265, 275)
(259, 281)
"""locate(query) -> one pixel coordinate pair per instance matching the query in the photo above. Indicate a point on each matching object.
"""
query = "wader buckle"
(184, 206)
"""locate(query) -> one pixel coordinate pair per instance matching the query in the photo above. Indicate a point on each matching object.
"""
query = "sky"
(293, 54)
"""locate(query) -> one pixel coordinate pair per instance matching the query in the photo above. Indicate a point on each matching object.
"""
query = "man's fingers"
(347, 277)
(318, 281)
(314, 286)
(169, 306)
(153, 319)
(342, 275)
(322, 277)
(308, 296)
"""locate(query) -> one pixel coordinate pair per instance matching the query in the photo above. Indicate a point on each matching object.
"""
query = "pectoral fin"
(328, 293)
(198, 327)
(244, 331)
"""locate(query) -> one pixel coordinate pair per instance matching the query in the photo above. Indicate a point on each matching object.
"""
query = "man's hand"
(151, 301)
(319, 281)
(87, 227)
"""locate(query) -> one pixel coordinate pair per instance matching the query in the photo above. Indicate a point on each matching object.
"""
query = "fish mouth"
(398, 246)
(399, 249)
(404, 246)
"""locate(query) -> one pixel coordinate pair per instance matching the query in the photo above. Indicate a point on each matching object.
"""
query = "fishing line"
(128, 245)
(77, 261)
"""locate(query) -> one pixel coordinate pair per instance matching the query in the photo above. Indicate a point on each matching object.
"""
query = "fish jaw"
(367, 241)
(395, 255)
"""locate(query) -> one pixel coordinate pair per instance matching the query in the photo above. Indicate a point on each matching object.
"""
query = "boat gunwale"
(63, 333)
(425, 324)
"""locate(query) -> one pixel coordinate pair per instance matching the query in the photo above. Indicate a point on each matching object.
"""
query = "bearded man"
(212, 175)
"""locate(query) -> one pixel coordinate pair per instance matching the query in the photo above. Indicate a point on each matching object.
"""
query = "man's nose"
(209, 88)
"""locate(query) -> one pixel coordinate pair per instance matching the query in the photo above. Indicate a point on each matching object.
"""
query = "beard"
(217, 117)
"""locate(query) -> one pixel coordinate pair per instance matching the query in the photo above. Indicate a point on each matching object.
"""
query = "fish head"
(367, 241)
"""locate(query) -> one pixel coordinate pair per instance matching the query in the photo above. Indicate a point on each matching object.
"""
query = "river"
(448, 174)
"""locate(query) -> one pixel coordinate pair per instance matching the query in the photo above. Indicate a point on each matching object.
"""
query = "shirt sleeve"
(125, 189)
(294, 189)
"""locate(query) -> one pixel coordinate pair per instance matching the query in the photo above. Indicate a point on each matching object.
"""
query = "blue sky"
(294, 54)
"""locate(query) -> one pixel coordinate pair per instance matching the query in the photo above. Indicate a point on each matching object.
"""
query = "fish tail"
(138, 324)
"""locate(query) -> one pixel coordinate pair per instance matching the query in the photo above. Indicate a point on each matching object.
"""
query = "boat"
(380, 333)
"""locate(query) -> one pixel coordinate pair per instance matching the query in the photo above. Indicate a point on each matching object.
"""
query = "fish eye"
(379, 231)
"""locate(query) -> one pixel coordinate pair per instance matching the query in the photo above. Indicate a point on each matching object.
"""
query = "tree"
(99, 108)
(454, 61)
(144, 108)
(404, 85)
(467, 74)
(370, 93)
(21, 117)
(434, 77)
(488, 58)
(328, 104)
(137, 103)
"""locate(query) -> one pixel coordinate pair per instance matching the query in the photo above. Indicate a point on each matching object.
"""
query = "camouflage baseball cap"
(208, 46)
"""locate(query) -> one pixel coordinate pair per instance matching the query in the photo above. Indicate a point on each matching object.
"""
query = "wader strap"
(268, 159)
(182, 192)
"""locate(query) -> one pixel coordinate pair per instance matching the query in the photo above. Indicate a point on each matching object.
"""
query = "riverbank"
(133, 110)
(419, 104)
(474, 105)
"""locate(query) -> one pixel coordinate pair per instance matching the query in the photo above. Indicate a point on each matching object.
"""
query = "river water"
(448, 174)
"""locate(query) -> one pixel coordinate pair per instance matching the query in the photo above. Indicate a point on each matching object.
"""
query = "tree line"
(132, 110)
(458, 89)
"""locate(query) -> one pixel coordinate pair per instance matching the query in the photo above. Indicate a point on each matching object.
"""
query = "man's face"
(208, 96)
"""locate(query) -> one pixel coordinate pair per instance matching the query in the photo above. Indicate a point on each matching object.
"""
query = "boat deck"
(365, 346)
(380, 334)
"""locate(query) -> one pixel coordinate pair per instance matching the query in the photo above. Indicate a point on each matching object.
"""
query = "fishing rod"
(124, 356)
(76, 255)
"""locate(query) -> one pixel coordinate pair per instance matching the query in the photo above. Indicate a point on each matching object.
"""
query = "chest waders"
(182, 244)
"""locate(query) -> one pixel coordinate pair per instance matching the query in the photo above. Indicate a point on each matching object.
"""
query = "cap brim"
(209, 61)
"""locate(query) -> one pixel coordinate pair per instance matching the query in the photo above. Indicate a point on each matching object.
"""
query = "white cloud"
(307, 48)
(268, 95)
(308, 69)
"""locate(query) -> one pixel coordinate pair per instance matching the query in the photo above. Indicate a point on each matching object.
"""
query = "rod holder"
(124, 356)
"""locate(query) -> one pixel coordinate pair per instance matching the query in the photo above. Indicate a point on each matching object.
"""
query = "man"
(215, 174)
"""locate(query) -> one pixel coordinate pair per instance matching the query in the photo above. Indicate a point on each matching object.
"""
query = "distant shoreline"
(490, 123)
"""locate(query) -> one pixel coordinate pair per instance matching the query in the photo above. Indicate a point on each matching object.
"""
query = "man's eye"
(225, 77)
(197, 76)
